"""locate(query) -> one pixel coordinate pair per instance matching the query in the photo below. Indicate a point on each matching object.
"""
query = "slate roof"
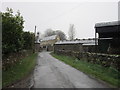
(49, 38)
(107, 24)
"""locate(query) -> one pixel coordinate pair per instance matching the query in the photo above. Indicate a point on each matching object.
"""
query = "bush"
(14, 38)
(12, 29)
(28, 40)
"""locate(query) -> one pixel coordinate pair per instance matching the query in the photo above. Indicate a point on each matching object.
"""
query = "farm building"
(89, 45)
(68, 46)
(108, 37)
(48, 42)
(81, 45)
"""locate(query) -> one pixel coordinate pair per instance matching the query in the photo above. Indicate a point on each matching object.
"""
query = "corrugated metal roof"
(68, 42)
(90, 43)
(107, 24)
(49, 38)
(83, 42)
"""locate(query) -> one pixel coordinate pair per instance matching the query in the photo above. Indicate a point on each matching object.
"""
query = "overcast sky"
(59, 15)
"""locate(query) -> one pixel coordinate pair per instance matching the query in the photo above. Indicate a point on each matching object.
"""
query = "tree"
(28, 40)
(71, 32)
(49, 32)
(12, 30)
(61, 35)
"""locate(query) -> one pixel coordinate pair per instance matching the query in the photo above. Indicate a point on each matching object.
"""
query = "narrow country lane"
(52, 73)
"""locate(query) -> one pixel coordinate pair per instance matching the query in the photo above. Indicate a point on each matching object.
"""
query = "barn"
(68, 46)
(81, 45)
(108, 37)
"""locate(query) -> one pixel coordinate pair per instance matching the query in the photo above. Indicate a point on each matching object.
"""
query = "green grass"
(19, 70)
(109, 75)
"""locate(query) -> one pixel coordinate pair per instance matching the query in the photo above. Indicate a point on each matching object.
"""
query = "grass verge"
(19, 70)
(109, 75)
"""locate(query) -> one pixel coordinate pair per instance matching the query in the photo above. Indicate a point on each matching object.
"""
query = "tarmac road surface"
(52, 73)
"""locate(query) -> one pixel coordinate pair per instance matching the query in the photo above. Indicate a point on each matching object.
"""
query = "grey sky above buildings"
(59, 15)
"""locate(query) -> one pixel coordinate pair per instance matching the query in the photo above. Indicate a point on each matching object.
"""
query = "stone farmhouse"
(47, 43)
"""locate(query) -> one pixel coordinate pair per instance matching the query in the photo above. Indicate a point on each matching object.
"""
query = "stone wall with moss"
(105, 60)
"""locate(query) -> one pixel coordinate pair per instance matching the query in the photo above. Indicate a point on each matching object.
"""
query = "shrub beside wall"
(12, 58)
(105, 60)
(14, 40)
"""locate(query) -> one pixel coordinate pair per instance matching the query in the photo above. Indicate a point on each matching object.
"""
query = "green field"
(19, 70)
(109, 75)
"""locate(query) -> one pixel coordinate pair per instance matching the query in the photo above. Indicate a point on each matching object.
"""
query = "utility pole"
(34, 39)
(35, 30)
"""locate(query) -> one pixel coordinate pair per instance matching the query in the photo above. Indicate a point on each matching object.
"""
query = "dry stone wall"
(105, 60)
